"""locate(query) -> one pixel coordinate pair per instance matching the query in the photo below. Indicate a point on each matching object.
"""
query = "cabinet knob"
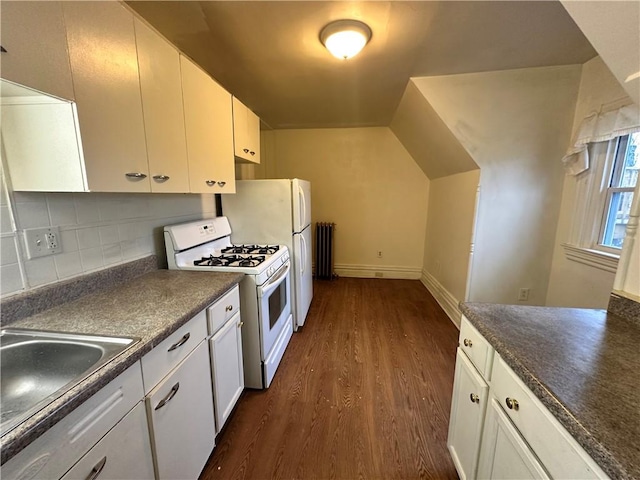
(240, 324)
(474, 398)
(228, 308)
(135, 175)
(245, 150)
(252, 153)
(467, 342)
(97, 469)
(161, 178)
(222, 184)
(211, 183)
(512, 404)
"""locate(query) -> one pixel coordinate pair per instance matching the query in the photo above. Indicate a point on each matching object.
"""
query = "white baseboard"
(445, 299)
(377, 271)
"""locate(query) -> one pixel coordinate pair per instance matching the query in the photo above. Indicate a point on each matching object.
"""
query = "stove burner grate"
(229, 261)
(252, 249)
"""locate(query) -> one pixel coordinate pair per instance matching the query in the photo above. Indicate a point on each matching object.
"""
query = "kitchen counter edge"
(201, 289)
(477, 315)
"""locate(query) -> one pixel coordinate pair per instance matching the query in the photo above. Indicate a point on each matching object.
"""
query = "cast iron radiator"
(324, 250)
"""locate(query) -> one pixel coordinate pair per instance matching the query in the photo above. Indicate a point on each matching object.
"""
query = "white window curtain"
(611, 122)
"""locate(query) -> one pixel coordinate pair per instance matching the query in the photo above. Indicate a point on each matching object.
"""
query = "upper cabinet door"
(104, 65)
(246, 133)
(34, 36)
(161, 88)
(209, 127)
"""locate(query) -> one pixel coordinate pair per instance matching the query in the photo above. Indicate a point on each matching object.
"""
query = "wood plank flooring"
(364, 391)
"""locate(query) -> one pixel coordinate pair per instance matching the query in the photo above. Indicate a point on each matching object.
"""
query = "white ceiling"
(268, 54)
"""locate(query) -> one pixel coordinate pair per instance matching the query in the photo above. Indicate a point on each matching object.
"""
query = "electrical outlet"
(523, 294)
(379, 253)
(41, 242)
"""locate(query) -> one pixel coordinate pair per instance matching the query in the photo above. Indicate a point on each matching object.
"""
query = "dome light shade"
(345, 38)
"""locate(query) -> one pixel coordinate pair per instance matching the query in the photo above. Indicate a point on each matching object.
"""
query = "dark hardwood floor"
(363, 391)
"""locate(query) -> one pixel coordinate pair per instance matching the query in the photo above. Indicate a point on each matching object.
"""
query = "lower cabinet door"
(123, 453)
(228, 373)
(505, 455)
(470, 395)
(180, 410)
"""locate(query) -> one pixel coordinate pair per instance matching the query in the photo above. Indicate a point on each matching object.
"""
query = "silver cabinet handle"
(97, 469)
(467, 342)
(211, 183)
(135, 175)
(240, 324)
(228, 308)
(161, 178)
(169, 396)
(512, 404)
(222, 184)
(180, 342)
(474, 398)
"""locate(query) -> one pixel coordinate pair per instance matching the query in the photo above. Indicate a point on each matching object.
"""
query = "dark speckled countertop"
(584, 365)
(151, 307)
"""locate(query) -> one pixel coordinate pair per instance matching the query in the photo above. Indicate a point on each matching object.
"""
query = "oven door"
(274, 307)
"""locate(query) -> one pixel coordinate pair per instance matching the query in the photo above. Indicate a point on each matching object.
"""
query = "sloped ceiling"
(427, 138)
(268, 53)
(614, 30)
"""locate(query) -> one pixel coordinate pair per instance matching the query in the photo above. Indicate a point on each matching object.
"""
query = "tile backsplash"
(97, 230)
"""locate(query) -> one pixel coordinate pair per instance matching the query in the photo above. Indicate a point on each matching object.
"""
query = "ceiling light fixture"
(345, 38)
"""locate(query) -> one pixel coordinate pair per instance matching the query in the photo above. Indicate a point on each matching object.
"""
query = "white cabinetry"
(104, 66)
(470, 396)
(33, 33)
(57, 450)
(226, 354)
(123, 453)
(246, 133)
(180, 410)
(161, 88)
(505, 454)
(177, 377)
(209, 127)
(517, 437)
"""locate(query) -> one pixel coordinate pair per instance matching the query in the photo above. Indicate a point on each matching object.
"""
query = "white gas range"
(265, 291)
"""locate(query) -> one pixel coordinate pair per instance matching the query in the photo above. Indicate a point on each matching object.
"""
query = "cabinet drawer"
(172, 350)
(123, 453)
(224, 308)
(558, 451)
(52, 454)
(476, 347)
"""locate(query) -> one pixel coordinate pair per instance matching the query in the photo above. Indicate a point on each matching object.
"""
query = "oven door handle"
(274, 281)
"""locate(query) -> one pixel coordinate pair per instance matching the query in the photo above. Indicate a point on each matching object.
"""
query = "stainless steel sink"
(36, 367)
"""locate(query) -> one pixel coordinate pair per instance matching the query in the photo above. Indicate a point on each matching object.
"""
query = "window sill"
(594, 258)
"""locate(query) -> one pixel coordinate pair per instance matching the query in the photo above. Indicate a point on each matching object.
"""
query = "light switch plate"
(41, 242)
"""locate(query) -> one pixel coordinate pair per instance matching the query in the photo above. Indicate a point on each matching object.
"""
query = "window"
(603, 195)
(622, 180)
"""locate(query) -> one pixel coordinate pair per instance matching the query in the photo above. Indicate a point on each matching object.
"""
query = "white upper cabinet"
(161, 88)
(104, 66)
(33, 33)
(246, 133)
(209, 127)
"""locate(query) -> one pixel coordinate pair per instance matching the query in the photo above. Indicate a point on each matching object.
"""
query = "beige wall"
(452, 202)
(365, 181)
(573, 284)
(516, 125)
